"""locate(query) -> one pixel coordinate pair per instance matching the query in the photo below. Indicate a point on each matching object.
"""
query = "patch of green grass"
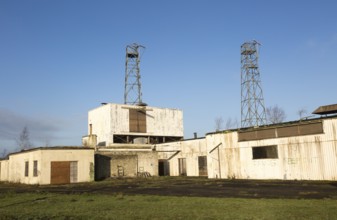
(120, 206)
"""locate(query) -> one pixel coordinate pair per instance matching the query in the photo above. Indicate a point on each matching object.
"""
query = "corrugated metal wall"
(306, 157)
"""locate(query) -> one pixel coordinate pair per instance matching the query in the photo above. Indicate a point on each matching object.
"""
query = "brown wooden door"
(60, 172)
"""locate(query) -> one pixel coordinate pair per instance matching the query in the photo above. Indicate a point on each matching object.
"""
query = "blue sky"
(61, 58)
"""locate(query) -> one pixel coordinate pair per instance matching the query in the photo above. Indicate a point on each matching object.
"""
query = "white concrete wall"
(3, 170)
(148, 161)
(84, 158)
(101, 119)
(112, 119)
(309, 157)
(189, 149)
(132, 162)
(16, 171)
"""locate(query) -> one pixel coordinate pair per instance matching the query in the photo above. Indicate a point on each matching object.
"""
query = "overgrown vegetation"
(118, 206)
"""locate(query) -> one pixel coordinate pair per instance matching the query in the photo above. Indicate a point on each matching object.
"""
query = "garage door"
(63, 172)
(60, 172)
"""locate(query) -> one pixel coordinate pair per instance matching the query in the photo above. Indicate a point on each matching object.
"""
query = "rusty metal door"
(60, 172)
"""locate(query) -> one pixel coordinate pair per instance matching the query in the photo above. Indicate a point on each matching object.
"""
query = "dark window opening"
(26, 168)
(265, 152)
(35, 168)
(128, 139)
(102, 144)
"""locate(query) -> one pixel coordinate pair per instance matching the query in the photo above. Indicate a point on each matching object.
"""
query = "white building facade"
(303, 150)
(129, 124)
(53, 165)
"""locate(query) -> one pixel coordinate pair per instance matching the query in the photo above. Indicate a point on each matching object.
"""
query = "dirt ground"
(191, 186)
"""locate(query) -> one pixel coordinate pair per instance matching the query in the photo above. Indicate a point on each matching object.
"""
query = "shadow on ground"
(190, 186)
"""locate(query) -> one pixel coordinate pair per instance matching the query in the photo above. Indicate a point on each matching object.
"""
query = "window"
(35, 168)
(26, 168)
(73, 171)
(265, 152)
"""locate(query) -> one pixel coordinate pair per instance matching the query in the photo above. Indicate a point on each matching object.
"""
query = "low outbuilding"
(49, 165)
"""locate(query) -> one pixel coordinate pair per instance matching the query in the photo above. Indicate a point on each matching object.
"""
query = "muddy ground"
(187, 186)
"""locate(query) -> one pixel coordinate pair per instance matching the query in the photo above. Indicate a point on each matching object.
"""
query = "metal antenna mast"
(253, 112)
(132, 91)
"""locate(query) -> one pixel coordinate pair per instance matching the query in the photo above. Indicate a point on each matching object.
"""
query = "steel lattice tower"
(132, 91)
(252, 103)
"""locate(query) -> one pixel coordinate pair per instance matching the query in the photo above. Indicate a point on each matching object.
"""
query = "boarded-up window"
(288, 131)
(202, 162)
(35, 168)
(137, 120)
(264, 134)
(280, 132)
(265, 152)
(26, 168)
(73, 171)
(182, 166)
(316, 128)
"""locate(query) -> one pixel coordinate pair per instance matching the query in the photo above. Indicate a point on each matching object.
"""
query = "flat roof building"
(113, 124)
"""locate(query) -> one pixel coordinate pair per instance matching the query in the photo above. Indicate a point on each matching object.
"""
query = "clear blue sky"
(61, 58)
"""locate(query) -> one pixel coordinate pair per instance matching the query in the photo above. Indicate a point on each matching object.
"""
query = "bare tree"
(24, 142)
(230, 124)
(275, 114)
(218, 123)
(301, 112)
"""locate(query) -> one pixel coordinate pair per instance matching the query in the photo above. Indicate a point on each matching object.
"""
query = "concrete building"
(49, 165)
(299, 150)
(119, 124)
(125, 163)
(125, 136)
(182, 158)
(134, 140)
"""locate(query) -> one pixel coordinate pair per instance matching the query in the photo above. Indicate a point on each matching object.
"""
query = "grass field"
(41, 205)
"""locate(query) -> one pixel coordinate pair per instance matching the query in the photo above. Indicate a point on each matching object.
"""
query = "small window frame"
(265, 152)
(26, 168)
(35, 170)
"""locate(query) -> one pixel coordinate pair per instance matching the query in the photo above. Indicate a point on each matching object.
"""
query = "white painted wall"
(309, 157)
(16, 164)
(189, 149)
(3, 170)
(112, 119)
